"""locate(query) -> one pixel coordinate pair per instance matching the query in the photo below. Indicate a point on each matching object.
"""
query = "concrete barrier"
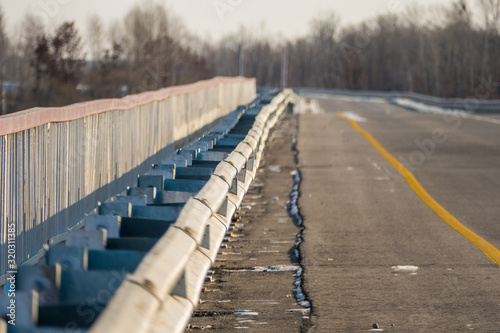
(56, 164)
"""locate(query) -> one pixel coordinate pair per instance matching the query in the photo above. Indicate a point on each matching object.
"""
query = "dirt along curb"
(257, 278)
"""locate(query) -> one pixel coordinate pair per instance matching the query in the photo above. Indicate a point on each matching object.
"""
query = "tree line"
(453, 51)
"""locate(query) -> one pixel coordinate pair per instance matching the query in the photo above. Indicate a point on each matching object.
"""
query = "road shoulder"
(253, 278)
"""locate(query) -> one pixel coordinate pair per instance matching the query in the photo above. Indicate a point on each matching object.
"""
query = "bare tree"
(442, 52)
(150, 48)
(323, 31)
(95, 37)
(490, 10)
(58, 66)
(3, 59)
(3, 37)
(115, 33)
(30, 31)
(156, 49)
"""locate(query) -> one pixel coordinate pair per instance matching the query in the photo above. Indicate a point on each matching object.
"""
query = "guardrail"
(467, 104)
(178, 213)
(166, 286)
(57, 163)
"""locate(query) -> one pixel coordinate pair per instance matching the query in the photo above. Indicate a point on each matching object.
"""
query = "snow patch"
(348, 98)
(425, 108)
(306, 106)
(353, 116)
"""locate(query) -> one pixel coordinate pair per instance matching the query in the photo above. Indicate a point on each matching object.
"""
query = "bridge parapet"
(56, 164)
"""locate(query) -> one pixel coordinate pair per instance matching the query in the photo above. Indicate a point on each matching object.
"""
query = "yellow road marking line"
(487, 248)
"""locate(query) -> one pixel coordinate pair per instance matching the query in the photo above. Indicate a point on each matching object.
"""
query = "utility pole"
(240, 60)
(284, 69)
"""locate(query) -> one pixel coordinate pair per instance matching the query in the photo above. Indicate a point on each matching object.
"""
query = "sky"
(215, 18)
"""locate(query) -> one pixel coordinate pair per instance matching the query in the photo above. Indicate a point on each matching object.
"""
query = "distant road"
(374, 252)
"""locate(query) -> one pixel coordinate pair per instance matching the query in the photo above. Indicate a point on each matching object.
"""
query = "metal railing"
(57, 163)
(167, 284)
(152, 245)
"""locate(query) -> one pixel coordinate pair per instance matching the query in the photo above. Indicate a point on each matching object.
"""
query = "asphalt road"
(373, 251)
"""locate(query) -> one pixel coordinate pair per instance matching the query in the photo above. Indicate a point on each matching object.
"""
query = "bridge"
(356, 212)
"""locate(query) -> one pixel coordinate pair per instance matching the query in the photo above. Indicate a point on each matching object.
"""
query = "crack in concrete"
(294, 211)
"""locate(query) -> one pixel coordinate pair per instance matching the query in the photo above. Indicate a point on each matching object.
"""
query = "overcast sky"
(211, 17)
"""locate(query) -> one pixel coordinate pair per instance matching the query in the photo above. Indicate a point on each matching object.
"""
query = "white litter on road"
(278, 268)
(405, 268)
(245, 313)
(275, 168)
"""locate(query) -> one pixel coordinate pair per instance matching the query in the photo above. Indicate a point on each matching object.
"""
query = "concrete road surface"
(376, 257)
